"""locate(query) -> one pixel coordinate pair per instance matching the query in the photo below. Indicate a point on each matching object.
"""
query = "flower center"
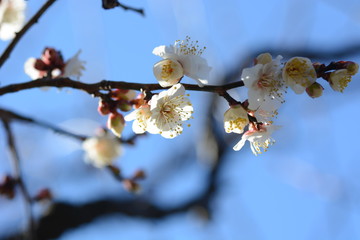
(238, 123)
(298, 70)
(343, 82)
(188, 47)
(167, 70)
(273, 86)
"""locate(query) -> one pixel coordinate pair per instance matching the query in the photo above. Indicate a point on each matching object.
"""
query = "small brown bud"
(131, 186)
(43, 194)
(139, 175)
(7, 187)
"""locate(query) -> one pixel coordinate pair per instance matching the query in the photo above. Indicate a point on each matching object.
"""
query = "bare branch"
(30, 234)
(95, 88)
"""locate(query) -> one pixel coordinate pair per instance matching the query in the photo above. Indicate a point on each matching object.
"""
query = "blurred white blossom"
(101, 150)
(12, 17)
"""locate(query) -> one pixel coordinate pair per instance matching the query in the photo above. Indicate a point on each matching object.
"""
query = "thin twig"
(17, 175)
(138, 10)
(32, 21)
(9, 115)
(95, 88)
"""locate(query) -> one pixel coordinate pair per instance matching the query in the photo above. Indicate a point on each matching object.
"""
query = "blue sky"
(305, 187)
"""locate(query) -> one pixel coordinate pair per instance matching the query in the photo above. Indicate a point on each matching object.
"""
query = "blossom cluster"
(52, 65)
(267, 83)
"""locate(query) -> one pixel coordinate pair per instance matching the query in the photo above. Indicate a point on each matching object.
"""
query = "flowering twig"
(17, 176)
(95, 88)
(32, 21)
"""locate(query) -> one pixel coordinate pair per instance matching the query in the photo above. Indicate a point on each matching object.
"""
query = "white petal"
(240, 144)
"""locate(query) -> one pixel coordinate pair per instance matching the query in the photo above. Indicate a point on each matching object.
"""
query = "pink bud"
(131, 186)
(124, 105)
(116, 123)
(103, 107)
(43, 194)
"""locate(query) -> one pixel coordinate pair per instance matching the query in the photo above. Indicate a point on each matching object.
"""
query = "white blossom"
(168, 110)
(339, 79)
(74, 67)
(141, 117)
(258, 138)
(235, 119)
(12, 17)
(102, 150)
(188, 55)
(299, 73)
(264, 82)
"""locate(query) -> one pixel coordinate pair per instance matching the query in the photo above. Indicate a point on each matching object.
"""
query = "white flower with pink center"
(265, 86)
(260, 139)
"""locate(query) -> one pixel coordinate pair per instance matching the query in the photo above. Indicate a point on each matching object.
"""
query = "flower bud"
(131, 186)
(168, 72)
(352, 67)
(116, 123)
(124, 106)
(7, 187)
(235, 119)
(299, 73)
(103, 107)
(43, 194)
(123, 94)
(339, 79)
(315, 90)
(263, 58)
(139, 175)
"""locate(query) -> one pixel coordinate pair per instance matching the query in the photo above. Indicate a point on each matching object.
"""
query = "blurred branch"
(9, 115)
(19, 180)
(31, 22)
(95, 88)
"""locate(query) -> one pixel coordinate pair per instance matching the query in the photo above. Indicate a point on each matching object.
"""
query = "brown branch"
(31, 22)
(95, 88)
(30, 234)
(9, 116)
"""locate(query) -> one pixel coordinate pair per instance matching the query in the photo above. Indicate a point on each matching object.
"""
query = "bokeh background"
(305, 187)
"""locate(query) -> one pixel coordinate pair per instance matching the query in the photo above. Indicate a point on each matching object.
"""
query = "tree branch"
(30, 233)
(32, 21)
(95, 88)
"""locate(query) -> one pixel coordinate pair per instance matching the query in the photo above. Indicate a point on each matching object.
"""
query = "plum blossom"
(74, 67)
(339, 79)
(168, 110)
(52, 62)
(182, 58)
(12, 17)
(141, 117)
(259, 137)
(265, 85)
(235, 119)
(101, 150)
(299, 73)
